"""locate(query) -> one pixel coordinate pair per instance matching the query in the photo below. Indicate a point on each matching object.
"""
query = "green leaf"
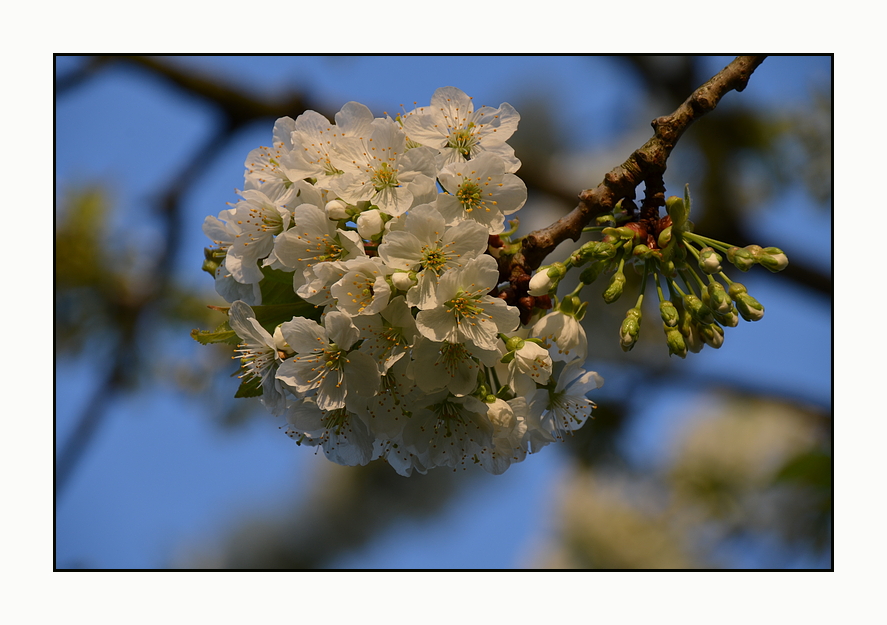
(222, 334)
(277, 287)
(272, 316)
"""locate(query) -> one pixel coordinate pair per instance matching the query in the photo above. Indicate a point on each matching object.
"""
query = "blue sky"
(161, 475)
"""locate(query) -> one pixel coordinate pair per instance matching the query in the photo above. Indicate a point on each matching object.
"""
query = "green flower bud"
(698, 310)
(615, 287)
(678, 210)
(669, 269)
(664, 237)
(514, 343)
(729, 320)
(692, 338)
(749, 307)
(712, 334)
(774, 261)
(736, 289)
(675, 341)
(591, 273)
(718, 300)
(642, 251)
(755, 251)
(631, 328)
(741, 258)
(593, 250)
(687, 328)
(709, 260)
(668, 312)
(623, 232)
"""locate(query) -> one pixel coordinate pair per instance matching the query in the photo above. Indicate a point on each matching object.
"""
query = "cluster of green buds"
(697, 300)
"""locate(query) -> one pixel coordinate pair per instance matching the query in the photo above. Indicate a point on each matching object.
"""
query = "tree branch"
(646, 163)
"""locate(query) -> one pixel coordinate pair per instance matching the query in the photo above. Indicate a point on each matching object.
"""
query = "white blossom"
(480, 190)
(362, 290)
(378, 168)
(555, 412)
(343, 436)
(427, 246)
(324, 361)
(449, 430)
(260, 354)
(566, 332)
(452, 126)
(464, 312)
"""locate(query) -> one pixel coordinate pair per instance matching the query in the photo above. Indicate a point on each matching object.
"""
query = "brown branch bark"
(647, 163)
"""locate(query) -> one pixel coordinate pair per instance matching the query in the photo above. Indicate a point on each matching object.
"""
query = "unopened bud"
(718, 300)
(546, 279)
(755, 251)
(688, 330)
(591, 273)
(698, 310)
(593, 250)
(669, 269)
(736, 289)
(750, 308)
(678, 210)
(335, 209)
(729, 320)
(774, 259)
(712, 334)
(615, 287)
(669, 314)
(370, 223)
(403, 280)
(692, 338)
(642, 251)
(709, 260)
(630, 330)
(623, 232)
(514, 343)
(675, 341)
(664, 237)
(741, 258)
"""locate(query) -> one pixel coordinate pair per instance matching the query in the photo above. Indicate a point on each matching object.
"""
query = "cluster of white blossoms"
(383, 226)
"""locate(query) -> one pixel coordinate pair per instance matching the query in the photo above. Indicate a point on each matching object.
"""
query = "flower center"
(469, 195)
(451, 355)
(384, 177)
(462, 140)
(329, 169)
(335, 357)
(464, 306)
(333, 251)
(255, 362)
(335, 420)
(434, 259)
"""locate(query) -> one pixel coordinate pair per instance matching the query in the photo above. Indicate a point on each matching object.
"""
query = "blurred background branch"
(118, 301)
